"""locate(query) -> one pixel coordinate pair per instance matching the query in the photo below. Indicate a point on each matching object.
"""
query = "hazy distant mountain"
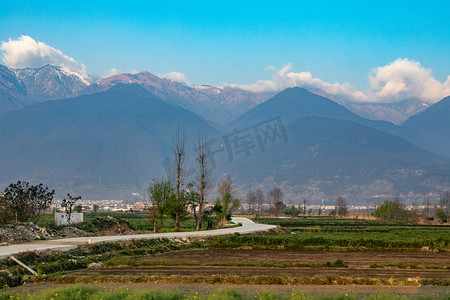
(397, 112)
(326, 157)
(332, 151)
(112, 143)
(102, 145)
(434, 124)
(215, 104)
(22, 87)
(295, 103)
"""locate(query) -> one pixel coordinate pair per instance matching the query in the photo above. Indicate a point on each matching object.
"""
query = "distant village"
(127, 206)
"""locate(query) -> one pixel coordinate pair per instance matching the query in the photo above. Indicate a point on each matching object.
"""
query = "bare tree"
(426, 207)
(204, 180)
(341, 206)
(179, 151)
(251, 201)
(444, 202)
(69, 206)
(276, 194)
(269, 202)
(414, 212)
(259, 197)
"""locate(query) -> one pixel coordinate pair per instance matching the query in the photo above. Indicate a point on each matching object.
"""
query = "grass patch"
(82, 292)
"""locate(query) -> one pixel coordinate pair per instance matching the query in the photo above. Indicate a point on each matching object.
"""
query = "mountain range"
(216, 104)
(110, 138)
(220, 105)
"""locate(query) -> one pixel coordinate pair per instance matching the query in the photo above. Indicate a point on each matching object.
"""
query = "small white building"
(62, 219)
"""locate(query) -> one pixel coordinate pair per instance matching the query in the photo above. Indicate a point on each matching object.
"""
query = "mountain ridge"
(219, 105)
(294, 103)
(434, 124)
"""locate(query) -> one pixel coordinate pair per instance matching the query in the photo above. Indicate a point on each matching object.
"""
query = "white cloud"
(177, 76)
(270, 68)
(285, 78)
(403, 79)
(26, 52)
(113, 72)
(399, 80)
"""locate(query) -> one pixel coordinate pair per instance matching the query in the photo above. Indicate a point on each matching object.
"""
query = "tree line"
(395, 210)
(272, 204)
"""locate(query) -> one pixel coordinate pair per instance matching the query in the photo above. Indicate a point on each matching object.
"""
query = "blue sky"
(218, 42)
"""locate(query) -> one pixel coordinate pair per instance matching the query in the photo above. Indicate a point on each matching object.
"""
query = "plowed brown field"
(358, 264)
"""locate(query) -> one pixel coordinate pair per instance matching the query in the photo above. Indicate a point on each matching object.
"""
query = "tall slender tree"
(259, 195)
(204, 178)
(179, 204)
(276, 194)
(426, 207)
(251, 201)
(444, 203)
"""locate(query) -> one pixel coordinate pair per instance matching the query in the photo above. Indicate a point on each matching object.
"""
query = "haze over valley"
(108, 138)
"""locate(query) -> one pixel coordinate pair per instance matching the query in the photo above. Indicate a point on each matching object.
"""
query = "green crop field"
(395, 239)
(91, 292)
(342, 233)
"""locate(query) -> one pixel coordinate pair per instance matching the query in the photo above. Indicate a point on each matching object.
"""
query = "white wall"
(61, 219)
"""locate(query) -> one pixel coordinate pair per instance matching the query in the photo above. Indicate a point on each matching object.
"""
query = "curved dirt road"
(248, 226)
